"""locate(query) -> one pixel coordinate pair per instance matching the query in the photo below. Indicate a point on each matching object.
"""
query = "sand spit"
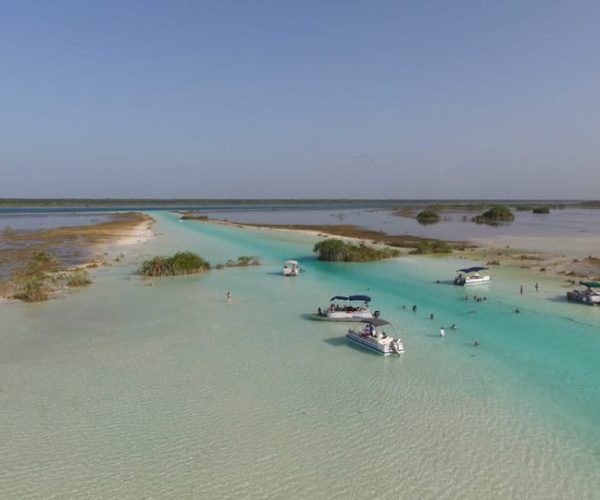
(74, 247)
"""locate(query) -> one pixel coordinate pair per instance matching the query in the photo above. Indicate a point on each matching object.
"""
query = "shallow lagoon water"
(128, 390)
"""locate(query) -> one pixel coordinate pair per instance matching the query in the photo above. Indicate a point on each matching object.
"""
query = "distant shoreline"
(191, 203)
(537, 265)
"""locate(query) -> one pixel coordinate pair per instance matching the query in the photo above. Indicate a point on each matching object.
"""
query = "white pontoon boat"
(590, 296)
(372, 337)
(342, 308)
(291, 268)
(471, 276)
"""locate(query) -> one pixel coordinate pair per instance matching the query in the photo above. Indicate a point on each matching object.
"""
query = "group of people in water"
(476, 298)
(453, 326)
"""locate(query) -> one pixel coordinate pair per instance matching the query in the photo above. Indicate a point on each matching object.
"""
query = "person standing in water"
(228, 297)
(442, 332)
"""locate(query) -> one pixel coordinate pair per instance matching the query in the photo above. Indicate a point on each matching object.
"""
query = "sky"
(303, 99)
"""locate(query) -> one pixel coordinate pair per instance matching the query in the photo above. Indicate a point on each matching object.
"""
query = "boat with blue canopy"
(471, 276)
(347, 308)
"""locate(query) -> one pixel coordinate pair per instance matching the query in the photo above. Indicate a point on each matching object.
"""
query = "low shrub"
(244, 261)
(78, 278)
(33, 290)
(431, 246)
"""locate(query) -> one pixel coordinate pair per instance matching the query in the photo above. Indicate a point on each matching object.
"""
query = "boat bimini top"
(469, 270)
(590, 284)
(362, 298)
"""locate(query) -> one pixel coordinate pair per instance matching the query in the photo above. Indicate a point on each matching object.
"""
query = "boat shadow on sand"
(445, 282)
(561, 299)
(313, 317)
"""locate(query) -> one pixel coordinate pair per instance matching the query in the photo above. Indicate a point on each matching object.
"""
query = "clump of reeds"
(336, 250)
(176, 265)
(80, 277)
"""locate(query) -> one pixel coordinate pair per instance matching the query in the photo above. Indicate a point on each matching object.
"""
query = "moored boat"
(291, 268)
(373, 337)
(590, 296)
(471, 276)
(345, 308)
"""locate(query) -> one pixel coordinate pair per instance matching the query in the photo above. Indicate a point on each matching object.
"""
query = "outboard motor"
(376, 314)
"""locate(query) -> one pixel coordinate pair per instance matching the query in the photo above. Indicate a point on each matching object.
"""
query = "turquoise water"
(133, 391)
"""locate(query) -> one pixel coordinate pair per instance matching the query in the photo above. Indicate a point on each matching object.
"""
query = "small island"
(336, 250)
(541, 210)
(428, 216)
(495, 215)
(180, 264)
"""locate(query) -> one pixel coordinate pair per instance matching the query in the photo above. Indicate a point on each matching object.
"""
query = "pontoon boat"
(471, 276)
(589, 296)
(372, 337)
(342, 308)
(291, 268)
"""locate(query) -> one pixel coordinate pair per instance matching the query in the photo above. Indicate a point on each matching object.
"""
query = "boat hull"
(371, 343)
(323, 317)
(472, 281)
(583, 298)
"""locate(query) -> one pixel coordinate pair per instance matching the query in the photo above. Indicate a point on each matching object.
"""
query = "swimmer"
(475, 343)
(453, 327)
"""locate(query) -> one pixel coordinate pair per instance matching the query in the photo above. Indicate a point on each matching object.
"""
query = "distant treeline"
(469, 205)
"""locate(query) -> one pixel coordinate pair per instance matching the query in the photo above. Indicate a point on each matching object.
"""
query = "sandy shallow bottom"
(133, 391)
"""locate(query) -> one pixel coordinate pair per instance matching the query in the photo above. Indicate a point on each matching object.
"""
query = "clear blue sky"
(303, 99)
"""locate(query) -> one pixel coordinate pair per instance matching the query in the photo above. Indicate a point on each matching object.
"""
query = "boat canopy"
(363, 298)
(376, 322)
(591, 284)
(290, 262)
(468, 270)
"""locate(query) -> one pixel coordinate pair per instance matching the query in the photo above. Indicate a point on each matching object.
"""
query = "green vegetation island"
(184, 263)
(181, 263)
(336, 250)
(428, 216)
(495, 215)
(541, 210)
